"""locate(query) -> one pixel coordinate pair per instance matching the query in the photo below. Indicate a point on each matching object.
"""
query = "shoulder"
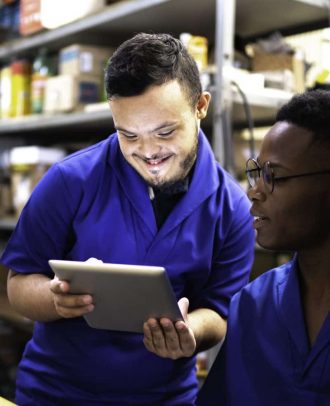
(75, 175)
(87, 161)
(262, 290)
(232, 198)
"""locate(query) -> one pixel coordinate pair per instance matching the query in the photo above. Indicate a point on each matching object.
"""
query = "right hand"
(69, 305)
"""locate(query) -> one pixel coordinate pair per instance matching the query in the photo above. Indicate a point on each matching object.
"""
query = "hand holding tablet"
(125, 296)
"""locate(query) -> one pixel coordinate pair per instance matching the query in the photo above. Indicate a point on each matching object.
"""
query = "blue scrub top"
(94, 204)
(266, 358)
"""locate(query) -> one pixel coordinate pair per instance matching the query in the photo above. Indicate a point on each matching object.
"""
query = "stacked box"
(66, 93)
(27, 166)
(30, 22)
(81, 59)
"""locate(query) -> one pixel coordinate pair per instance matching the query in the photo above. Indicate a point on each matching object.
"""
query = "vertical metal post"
(222, 98)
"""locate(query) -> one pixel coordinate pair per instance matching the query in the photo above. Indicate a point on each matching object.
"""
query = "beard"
(185, 167)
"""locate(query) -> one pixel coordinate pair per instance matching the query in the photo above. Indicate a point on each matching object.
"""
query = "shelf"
(259, 17)
(120, 21)
(263, 103)
(96, 121)
(93, 120)
(8, 223)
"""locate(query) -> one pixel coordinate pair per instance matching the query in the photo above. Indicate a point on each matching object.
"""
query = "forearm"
(30, 295)
(209, 328)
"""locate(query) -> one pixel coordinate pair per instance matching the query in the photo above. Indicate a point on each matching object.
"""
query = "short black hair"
(310, 110)
(151, 59)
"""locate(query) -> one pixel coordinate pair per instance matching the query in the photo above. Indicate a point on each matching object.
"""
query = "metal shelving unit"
(252, 19)
(218, 20)
(223, 22)
(119, 21)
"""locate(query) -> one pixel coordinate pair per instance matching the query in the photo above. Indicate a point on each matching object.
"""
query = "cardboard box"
(29, 20)
(262, 61)
(80, 59)
(27, 166)
(65, 93)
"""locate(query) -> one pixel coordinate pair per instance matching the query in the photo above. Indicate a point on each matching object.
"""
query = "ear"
(203, 105)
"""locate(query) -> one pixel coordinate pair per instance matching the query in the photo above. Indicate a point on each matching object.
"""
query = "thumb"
(183, 304)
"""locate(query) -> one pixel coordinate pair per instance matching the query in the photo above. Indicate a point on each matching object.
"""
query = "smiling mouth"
(259, 221)
(156, 162)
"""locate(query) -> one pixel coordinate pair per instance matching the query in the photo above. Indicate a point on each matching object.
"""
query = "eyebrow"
(163, 125)
(274, 165)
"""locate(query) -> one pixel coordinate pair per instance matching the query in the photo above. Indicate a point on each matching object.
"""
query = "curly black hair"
(151, 59)
(310, 110)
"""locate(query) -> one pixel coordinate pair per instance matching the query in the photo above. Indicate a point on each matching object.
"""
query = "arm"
(40, 298)
(206, 325)
(200, 330)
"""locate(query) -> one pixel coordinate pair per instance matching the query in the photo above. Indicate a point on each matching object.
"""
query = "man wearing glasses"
(277, 348)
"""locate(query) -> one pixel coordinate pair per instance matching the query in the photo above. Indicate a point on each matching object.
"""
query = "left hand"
(169, 339)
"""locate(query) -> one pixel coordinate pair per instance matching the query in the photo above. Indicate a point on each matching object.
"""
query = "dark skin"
(296, 215)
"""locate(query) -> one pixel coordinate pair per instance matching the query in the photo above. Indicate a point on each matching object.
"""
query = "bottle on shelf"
(43, 67)
(20, 96)
(5, 92)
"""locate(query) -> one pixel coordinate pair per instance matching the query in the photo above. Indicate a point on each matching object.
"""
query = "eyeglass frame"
(260, 170)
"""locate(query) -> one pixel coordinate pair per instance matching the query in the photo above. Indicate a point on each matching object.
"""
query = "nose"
(149, 147)
(257, 192)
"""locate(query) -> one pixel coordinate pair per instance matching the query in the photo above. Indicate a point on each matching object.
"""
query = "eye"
(128, 136)
(166, 133)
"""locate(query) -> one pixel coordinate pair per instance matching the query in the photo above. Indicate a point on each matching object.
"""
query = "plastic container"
(53, 14)
(5, 92)
(21, 82)
(198, 49)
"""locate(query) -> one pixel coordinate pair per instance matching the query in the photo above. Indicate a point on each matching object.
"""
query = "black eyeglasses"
(254, 171)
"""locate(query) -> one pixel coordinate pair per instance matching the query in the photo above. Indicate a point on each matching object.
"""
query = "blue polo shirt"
(94, 204)
(266, 358)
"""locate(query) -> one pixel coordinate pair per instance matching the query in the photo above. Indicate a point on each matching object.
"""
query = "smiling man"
(277, 348)
(150, 194)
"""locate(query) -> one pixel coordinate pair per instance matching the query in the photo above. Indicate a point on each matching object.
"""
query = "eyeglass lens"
(253, 172)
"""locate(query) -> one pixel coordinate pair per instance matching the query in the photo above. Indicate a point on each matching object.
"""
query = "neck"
(314, 269)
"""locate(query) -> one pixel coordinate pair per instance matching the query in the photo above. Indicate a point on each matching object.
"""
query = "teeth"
(154, 162)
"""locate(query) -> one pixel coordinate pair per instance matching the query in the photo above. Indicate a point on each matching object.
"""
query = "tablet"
(124, 295)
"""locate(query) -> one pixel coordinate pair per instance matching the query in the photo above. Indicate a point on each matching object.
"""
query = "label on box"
(88, 92)
(86, 62)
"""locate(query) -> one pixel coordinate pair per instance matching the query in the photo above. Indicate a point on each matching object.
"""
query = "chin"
(267, 244)
(274, 245)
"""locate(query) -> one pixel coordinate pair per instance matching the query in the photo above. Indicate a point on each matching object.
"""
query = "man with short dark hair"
(277, 348)
(150, 194)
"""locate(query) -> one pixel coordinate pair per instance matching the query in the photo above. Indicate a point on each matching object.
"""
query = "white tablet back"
(124, 295)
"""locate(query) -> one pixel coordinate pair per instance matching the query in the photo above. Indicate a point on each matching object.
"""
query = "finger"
(66, 307)
(183, 304)
(186, 338)
(158, 340)
(147, 339)
(153, 337)
(72, 301)
(172, 341)
(66, 312)
(94, 260)
(59, 286)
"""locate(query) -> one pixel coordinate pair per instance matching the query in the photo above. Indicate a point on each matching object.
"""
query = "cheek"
(299, 222)
(125, 147)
